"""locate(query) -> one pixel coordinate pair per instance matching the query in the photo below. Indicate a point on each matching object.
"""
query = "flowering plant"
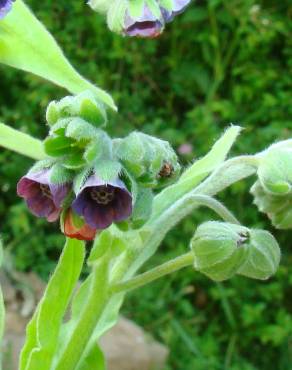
(124, 194)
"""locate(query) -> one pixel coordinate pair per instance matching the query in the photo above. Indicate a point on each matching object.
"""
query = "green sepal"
(107, 170)
(56, 146)
(142, 207)
(263, 256)
(79, 130)
(136, 8)
(74, 161)
(43, 165)
(166, 4)
(81, 178)
(116, 15)
(100, 6)
(60, 175)
(219, 249)
(154, 7)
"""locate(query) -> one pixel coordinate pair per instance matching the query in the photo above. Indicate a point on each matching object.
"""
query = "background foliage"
(221, 61)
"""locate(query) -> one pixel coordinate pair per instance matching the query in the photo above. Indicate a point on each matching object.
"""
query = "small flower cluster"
(89, 180)
(5, 7)
(140, 18)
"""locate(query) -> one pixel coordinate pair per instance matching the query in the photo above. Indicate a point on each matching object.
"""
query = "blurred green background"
(221, 61)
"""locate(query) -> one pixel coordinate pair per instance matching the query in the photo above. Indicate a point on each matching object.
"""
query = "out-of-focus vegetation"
(221, 61)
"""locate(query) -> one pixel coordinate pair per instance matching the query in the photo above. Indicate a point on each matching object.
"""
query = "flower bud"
(84, 105)
(219, 249)
(277, 207)
(275, 171)
(263, 256)
(151, 161)
(75, 227)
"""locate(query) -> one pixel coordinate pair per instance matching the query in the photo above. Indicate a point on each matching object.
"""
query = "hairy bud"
(152, 162)
(277, 207)
(219, 249)
(222, 250)
(263, 256)
(275, 171)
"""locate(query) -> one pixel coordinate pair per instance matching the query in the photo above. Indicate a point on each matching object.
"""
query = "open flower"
(5, 7)
(146, 25)
(178, 7)
(102, 203)
(43, 198)
(74, 227)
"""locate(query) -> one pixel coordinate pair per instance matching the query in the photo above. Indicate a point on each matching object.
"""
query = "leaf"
(58, 145)
(43, 330)
(21, 143)
(26, 44)
(94, 360)
(107, 170)
(196, 173)
(61, 175)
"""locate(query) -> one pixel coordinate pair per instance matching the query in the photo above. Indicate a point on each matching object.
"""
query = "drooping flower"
(102, 203)
(43, 198)
(76, 229)
(146, 25)
(5, 7)
(178, 7)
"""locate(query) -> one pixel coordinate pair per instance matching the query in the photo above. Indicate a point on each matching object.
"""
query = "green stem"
(154, 274)
(89, 317)
(21, 143)
(216, 206)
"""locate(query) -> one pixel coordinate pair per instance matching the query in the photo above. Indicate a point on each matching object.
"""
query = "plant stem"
(88, 319)
(21, 143)
(154, 274)
(216, 206)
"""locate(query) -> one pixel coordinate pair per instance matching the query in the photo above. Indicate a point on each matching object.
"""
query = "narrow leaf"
(21, 143)
(43, 331)
(26, 44)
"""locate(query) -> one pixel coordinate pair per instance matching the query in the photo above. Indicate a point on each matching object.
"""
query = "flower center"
(46, 191)
(102, 195)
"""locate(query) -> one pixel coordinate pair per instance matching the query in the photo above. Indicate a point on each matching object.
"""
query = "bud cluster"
(90, 179)
(140, 18)
(222, 250)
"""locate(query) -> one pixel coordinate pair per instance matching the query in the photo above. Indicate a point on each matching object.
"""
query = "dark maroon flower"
(147, 25)
(102, 203)
(5, 7)
(43, 198)
(178, 7)
(75, 230)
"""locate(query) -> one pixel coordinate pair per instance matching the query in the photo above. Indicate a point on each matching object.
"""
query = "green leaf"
(94, 360)
(107, 170)
(21, 143)
(43, 330)
(197, 172)
(61, 175)
(26, 44)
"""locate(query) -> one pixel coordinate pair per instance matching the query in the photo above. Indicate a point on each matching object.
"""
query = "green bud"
(277, 207)
(275, 170)
(151, 161)
(84, 105)
(219, 249)
(263, 256)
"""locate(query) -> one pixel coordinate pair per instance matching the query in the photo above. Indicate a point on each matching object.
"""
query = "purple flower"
(147, 25)
(43, 198)
(102, 203)
(178, 7)
(5, 7)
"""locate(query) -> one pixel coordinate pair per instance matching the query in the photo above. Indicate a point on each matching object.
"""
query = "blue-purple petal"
(5, 7)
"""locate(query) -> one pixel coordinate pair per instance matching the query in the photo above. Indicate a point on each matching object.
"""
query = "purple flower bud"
(147, 25)
(102, 203)
(5, 7)
(178, 7)
(43, 198)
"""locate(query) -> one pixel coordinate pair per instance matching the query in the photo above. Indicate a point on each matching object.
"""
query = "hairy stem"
(154, 274)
